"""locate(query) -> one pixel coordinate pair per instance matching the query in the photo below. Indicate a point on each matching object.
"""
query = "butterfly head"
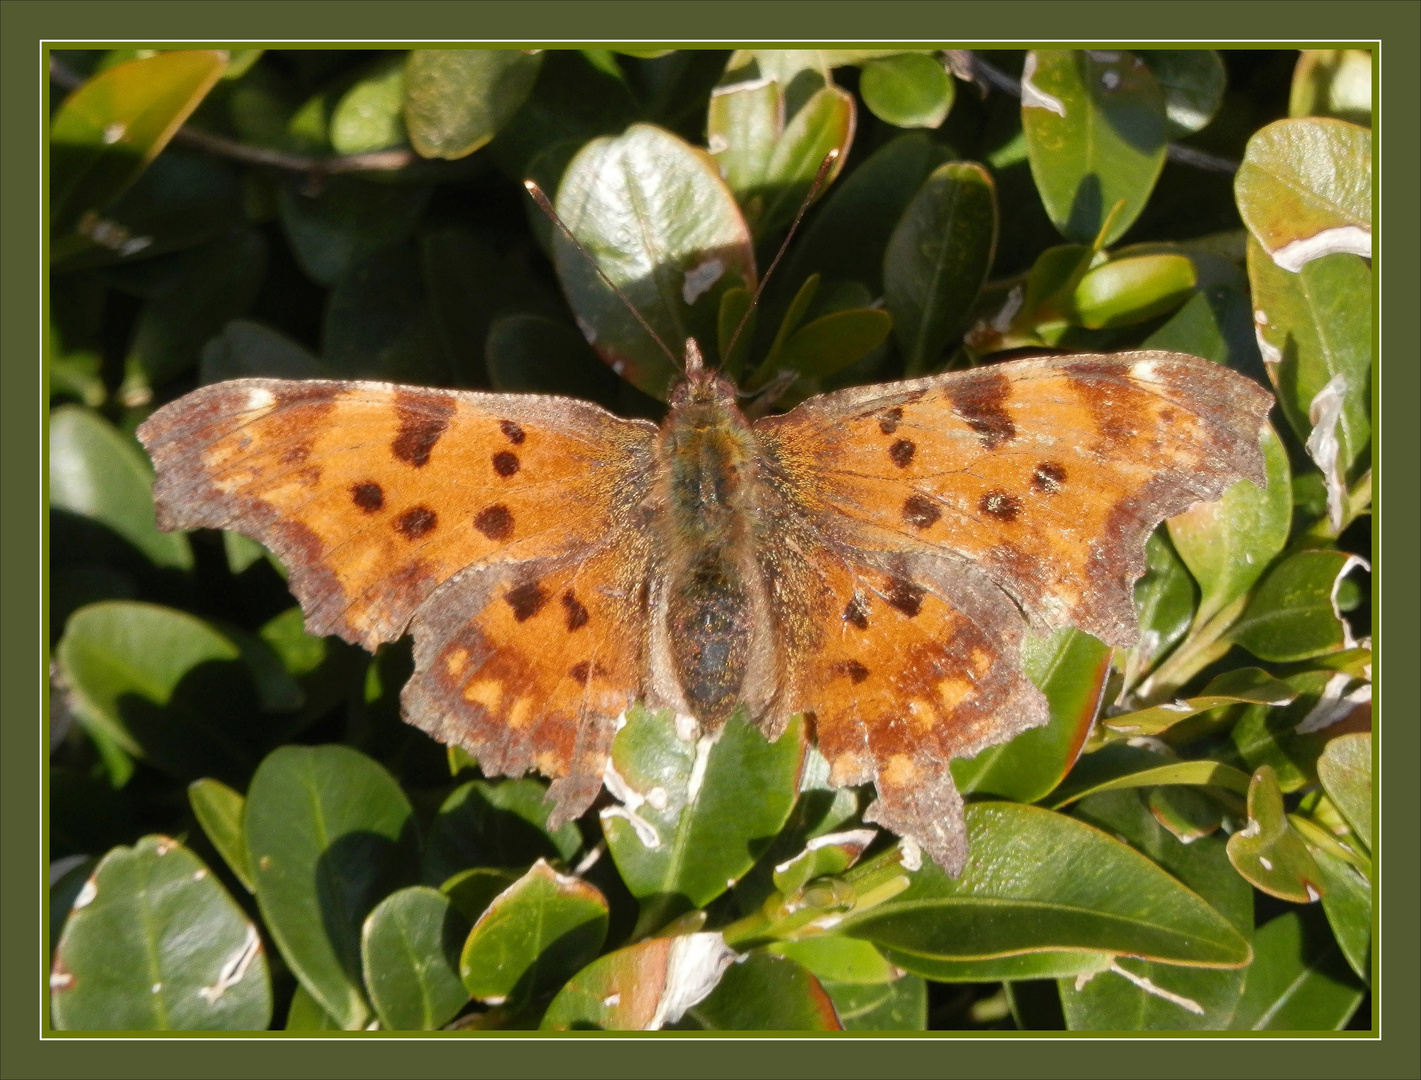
(703, 390)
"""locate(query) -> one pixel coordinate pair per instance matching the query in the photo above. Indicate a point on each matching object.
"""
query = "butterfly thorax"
(710, 455)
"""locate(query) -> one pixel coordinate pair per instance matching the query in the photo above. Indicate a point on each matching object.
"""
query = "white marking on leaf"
(1348, 641)
(1158, 991)
(1313, 894)
(588, 330)
(113, 132)
(1032, 96)
(1265, 862)
(698, 767)
(656, 798)
(736, 87)
(700, 278)
(235, 969)
(60, 980)
(86, 895)
(1336, 703)
(590, 859)
(1251, 830)
(1351, 239)
(611, 1001)
(717, 143)
(693, 969)
(1324, 446)
(631, 801)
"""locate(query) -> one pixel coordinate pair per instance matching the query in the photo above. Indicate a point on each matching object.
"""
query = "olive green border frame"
(26, 24)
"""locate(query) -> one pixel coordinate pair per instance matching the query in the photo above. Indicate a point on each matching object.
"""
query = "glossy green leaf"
(218, 282)
(351, 219)
(306, 1014)
(1215, 323)
(472, 890)
(98, 474)
(838, 959)
(219, 811)
(1119, 766)
(164, 685)
(846, 237)
(1292, 615)
(643, 987)
(663, 226)
(533, 936)
(409, 950)
(937, 259)
(456, 100)
(824, 124)
(1095, 135)
(1315, 332)
(1345, 769)
(535, 354)
(743, 124)
(249, 349)
(495, 823)
(1037, 881)
(901, 1005)
(693, 816)
(1193, 81)
(826, 855)
(1347, 903)
(1070, 668)
(1131, 290)
(1010, 969)
(828, 345)
(1164, 603)
(1333, 82)
(369, 115)
(1298, 980)
(910, 90)
(1227, 544)
(764, 993)
(329, 835)
(1291, 738)
(1268, 851)
(1187, 815)
(1135, 995)
(107, 131)
(1248, 684)
(1304, 190)
(154, 943)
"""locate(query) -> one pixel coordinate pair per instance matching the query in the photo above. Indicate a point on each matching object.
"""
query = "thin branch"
(220, 145)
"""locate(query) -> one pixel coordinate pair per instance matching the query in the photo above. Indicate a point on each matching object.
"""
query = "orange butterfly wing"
(447, 510)
(924, 523)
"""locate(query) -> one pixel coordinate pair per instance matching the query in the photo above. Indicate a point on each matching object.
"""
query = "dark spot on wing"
(888, 422)
(576, 611)
(1000, 505)
(853, 669)
(582, 672)
(495, 522)
(920, 512)
(512, 431)
(505, 463)
(905, 596)
(422, 421)
(901, 452)
(857, 612)
(979, 401)
(415, 522)
(1048, 477)
(526, 600)
(296, 455)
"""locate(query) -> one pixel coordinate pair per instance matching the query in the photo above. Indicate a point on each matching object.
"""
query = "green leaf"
(1187, 815)
(642, 987)
(664, 228)
(368, 115)
(218, 281)
(825, 123)
(456, 100)
(1315, 334)
(742, 126)
(329, 835)
(65, 889)
(1070, 668)
(1268, 851)
(910, 90)
(1095, 136)
(1164, 604)
(693, 817)
(828, 854)
(1113, 771)
(842, 960)
(1298, 980)
(96, 473)
(1291, 738)
(536, 934)
(351, 219)
(1215, 323)
(498, 823)
(938, 258)
(1227, 544)
(1130, 290)
(1347, 903)
(306, 1014)
(535, 354)
(249, 349)
(764, 993)
(1293, 615)
(1345, 769)
(471, 891)
(1333, 82)
(106, 132)
(163, 685)
(409, 949)
(1193, 81)
(154, 943)
(219, 810)
(1036, 881)
(1304, 190)
(828, 345)
(1248, 684)
(901, 1005)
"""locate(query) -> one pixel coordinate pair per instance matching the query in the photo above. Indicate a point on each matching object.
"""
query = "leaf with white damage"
(1268, 851)
(1250, 684)
(643, 987)
(1294, 613)
(155, 943)
(694, 812)
(1345, 769)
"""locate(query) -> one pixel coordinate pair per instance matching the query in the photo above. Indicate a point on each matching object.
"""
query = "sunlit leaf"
(1193, 81)
(368, 115)
(1247, 684)
(219, 811)
(456, 100)
(1345, 770)
(1298, 980)
(410, 952)
(1268, 851)
(1333, 82)
(764, 993)
(909, 90)
(1292, 615)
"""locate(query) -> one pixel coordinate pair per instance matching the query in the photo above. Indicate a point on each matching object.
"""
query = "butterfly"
(870, 559)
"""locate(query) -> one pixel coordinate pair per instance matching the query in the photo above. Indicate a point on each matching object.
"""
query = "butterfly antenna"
(547, 207)
(824, 167)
